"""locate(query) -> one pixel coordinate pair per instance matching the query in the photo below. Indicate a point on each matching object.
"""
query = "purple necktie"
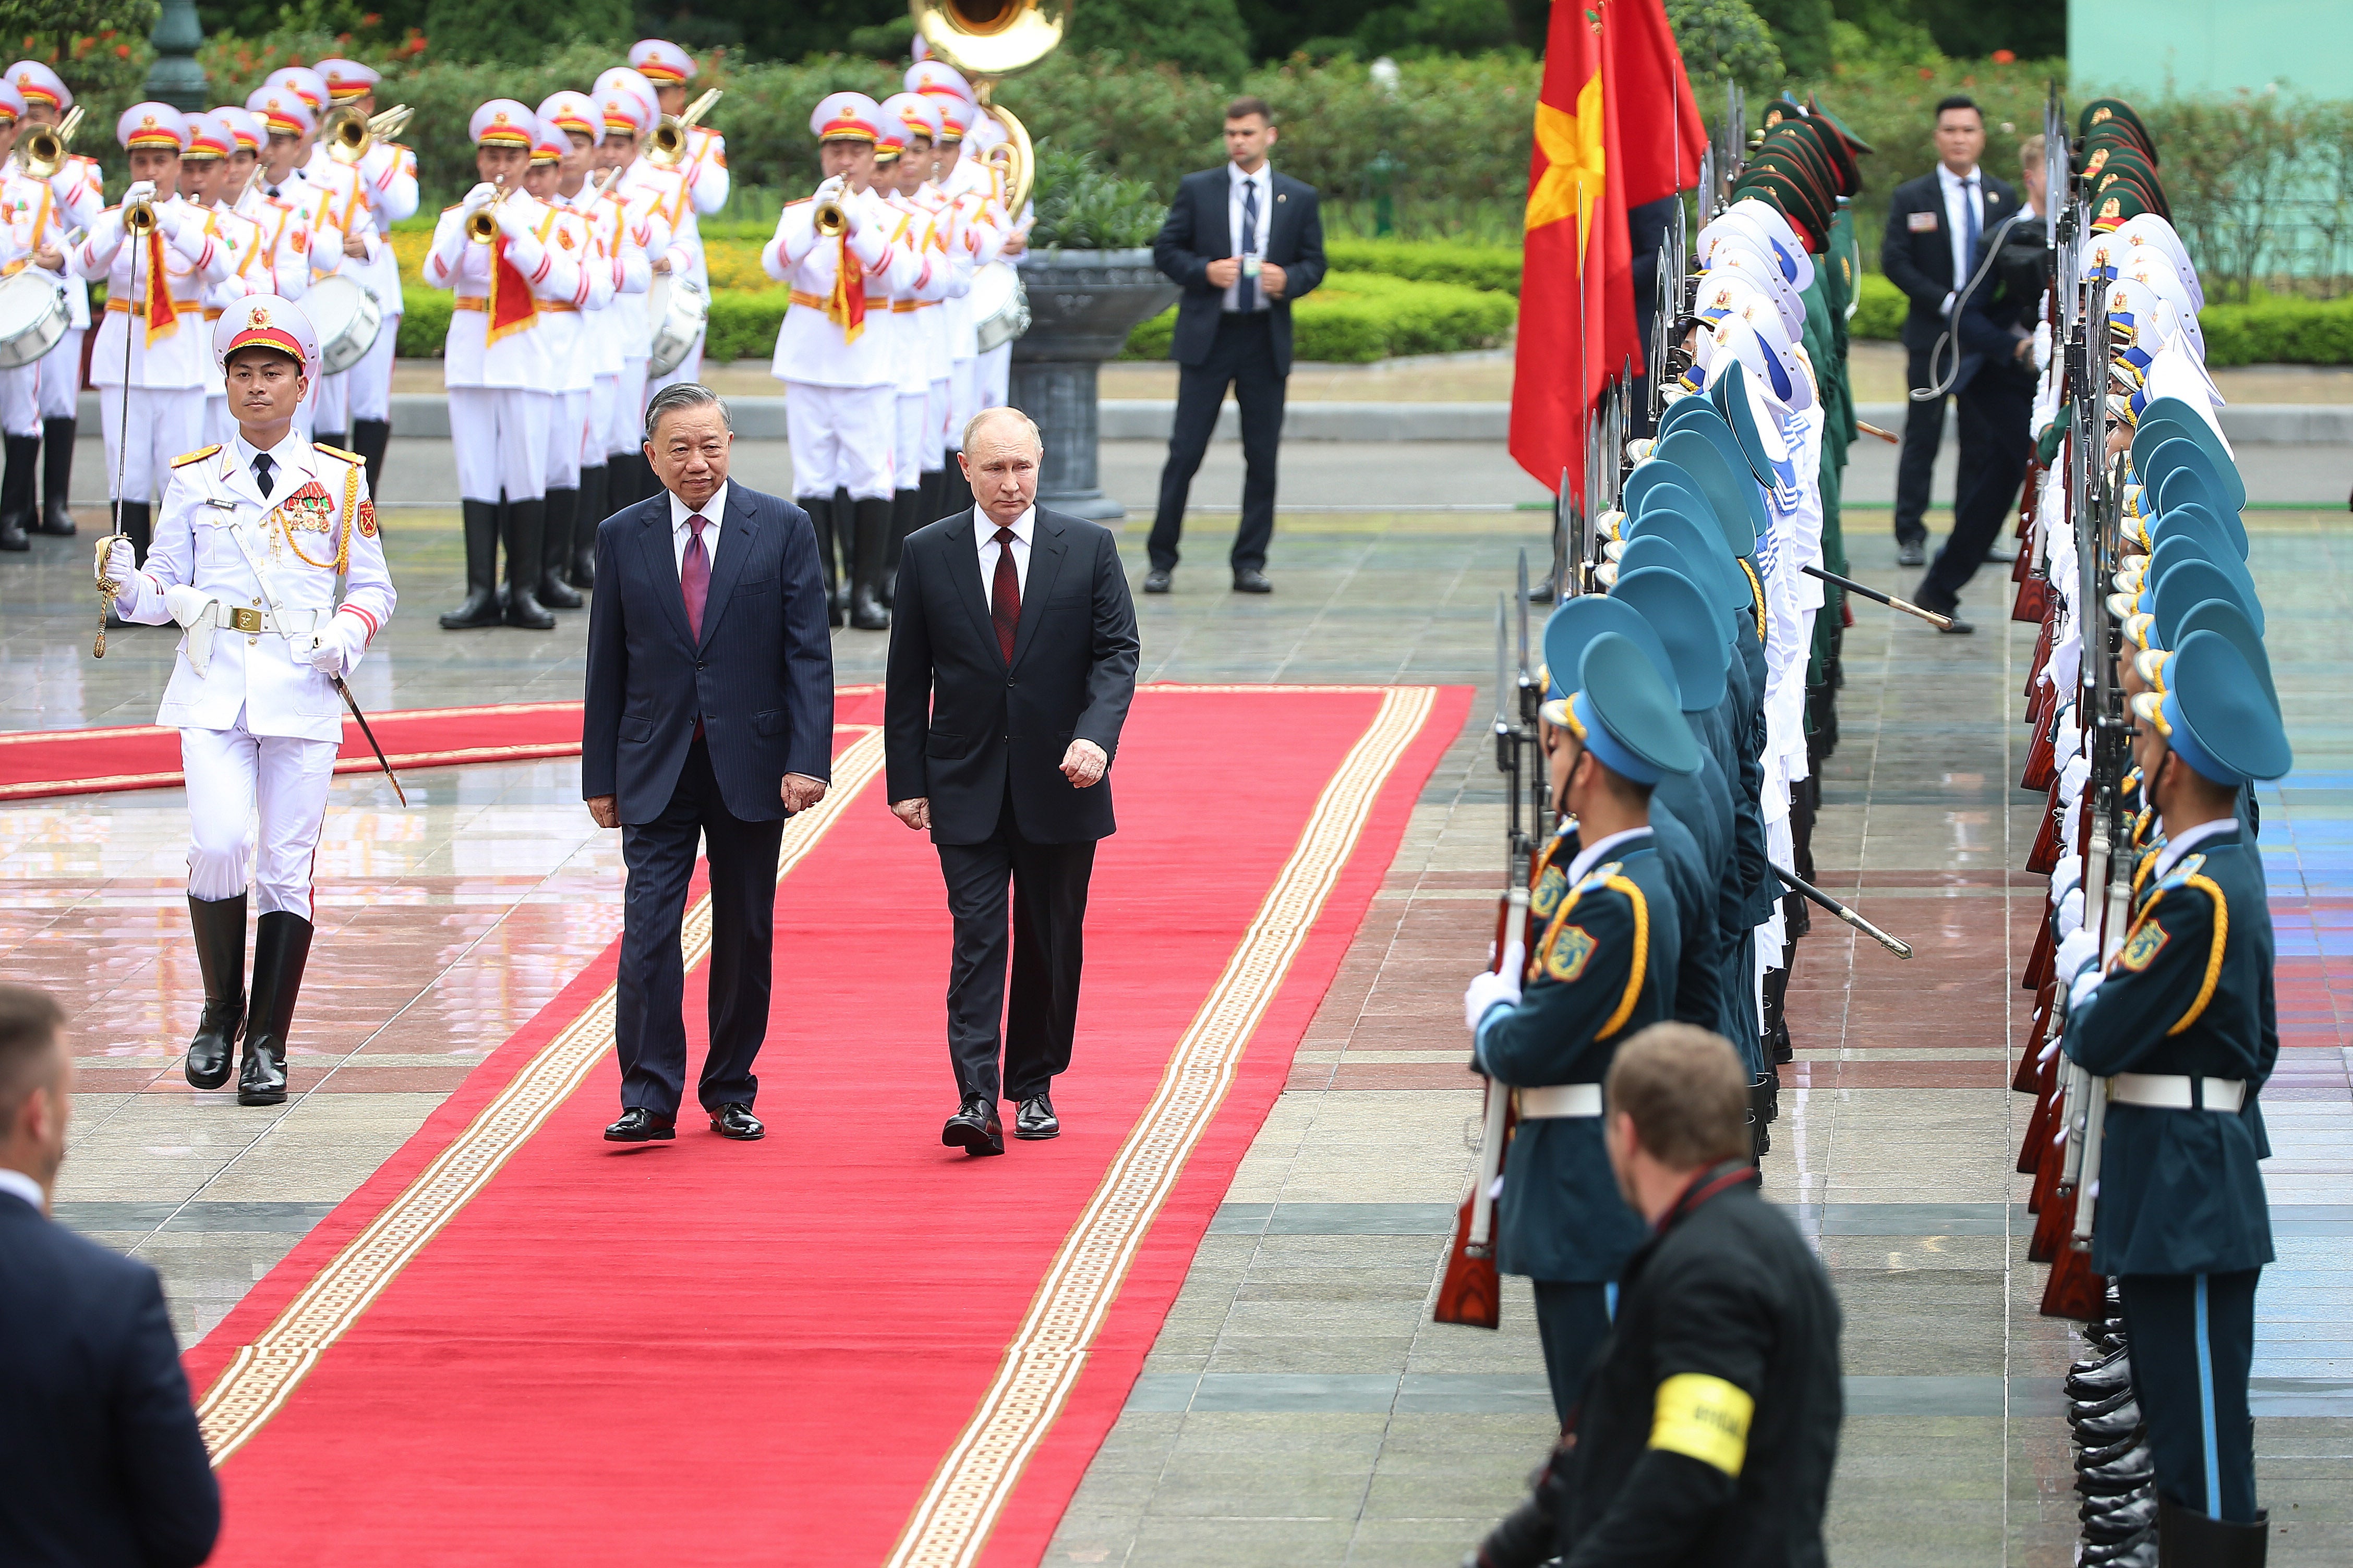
(1005, 595)
(694, 575)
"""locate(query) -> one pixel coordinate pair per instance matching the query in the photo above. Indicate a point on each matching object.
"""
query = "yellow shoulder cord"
(1642, 958)
(1759, 588)
(2213, 953)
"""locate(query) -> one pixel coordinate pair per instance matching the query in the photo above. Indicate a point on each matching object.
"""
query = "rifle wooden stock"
(1470, 1291)
(1890, 436)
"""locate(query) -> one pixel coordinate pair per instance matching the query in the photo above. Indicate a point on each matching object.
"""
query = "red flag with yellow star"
(1608, 63)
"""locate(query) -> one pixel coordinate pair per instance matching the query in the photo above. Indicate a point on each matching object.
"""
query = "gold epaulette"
(183, 460)
(330, 451)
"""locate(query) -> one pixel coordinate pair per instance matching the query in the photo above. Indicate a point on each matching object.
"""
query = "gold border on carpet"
(259, 1380)
(952, 1522)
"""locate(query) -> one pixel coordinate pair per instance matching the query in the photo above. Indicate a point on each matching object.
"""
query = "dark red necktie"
(694, 575)
(1005, 596)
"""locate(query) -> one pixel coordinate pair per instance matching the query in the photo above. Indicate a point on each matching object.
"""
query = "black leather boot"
(555, 550)
(873, 542)
(820, 511)
(594, 510)
(1760, 1113)
(955, 491)
(282, 946)
(56, 477)
(18, 500)
(370, 439)
(2189, 1539)
(927, 497)
(904, 504)
(481, 605)
(526, 529)
(845, 535)
(632, 480)
(219, 925)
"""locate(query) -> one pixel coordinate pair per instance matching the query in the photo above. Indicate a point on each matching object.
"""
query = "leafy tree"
(1205, 37)
(56, 24)
(519, 30)
(1802, 30)
(1725, 39)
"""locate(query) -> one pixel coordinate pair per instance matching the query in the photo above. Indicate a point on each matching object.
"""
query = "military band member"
(564, 325)
(909, 127)
(252, 538)
(26, 210)
(204, 179)
(356, 241)
(833, 351)
(498, 366)
(618, 249)
(1603, 969)
(965, 189)
(2182, 1024)
(662, 196)
(667, 69)
(76, 200)
(387, 185)
(153, 331)
(308, 230)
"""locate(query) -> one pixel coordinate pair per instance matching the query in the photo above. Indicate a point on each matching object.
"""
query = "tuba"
(666, 143)
(989, 40)
(42, 152)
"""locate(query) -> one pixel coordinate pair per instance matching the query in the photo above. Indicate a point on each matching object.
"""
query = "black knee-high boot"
(370, 439)
(526, 527)
(220, 957)
(845, 534)
(820, 510)
(18, 500)
(594, 508)
(555, 550)
(955, 491)
(903, 506)
(481, 605)
(56, 477)
(282, 947)
(874, 545)
(927, 497)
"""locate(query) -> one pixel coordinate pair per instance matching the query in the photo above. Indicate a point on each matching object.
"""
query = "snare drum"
(32, 317)
(678, 307)
(346, 317)
(1001, 305)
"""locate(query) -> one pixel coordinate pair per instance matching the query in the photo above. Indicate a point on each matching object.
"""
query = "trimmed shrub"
(2278, 331)
(1879, 309)
(1490, 267)
(1355, 317)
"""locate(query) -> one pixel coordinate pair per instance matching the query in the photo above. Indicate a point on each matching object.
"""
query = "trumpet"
(42, 152)
(482, 227)
(139, 218)
(830, 220)
(350, 136)
(666, 143)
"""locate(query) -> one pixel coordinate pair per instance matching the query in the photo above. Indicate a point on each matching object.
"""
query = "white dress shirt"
(25, 1187)
(713, 511)
(2177, 847)
(1235, 181)
(984, 529)
(1959, 188)
(1592, 855)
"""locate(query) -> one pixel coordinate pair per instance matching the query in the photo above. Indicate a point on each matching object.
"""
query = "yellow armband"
(1703, 1418)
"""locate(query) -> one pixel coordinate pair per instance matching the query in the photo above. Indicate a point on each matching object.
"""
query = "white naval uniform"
(621, 234)
(840, 396)
(34, 212)
(166, 377)
(704, 178)
(259, 726)
(343, 208)
(569, 329)
(969, 191)
(502, 396)
(387, 179)
(919, 340)
(656, 197)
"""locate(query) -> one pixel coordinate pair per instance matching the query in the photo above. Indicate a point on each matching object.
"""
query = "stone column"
(176, 77)
(1082, 305)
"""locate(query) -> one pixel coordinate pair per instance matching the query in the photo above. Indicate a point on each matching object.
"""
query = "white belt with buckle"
(2171, 1091)
(1560, 1100)
(203, 614)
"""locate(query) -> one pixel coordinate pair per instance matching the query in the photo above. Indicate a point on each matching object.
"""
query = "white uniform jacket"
(343, 208)
(249, 248)
(194, 260)
(320, 519)
(921, 312)
(622, 235)
(523, 359)
(286, 238)
(665, 195)
(34, 212)
(384, 186)
(706, 169)
(810, 348)
(571, 324)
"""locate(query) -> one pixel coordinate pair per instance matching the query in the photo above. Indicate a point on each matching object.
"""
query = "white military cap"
(1762, 221)
(281, 110)
(502, 123)
(1775, 373)
(1741, 260)
(347, 79)
(210, 136)
(622, 79)
(2151, 231)
(659, 60)
(12, 102)
(270, 322)
(623, 112)
(310, 84)
(955, 116)
(152, 125)
(573, 111)
(250, 132)
(40, 84)
(937, 79)
(846, 117)
(918, 114)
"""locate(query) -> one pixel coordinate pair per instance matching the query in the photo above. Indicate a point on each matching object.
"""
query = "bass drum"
(1001, 305)
(346, 317)
(32, 317)
(678, 307)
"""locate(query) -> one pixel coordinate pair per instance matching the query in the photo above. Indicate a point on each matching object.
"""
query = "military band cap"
(1572, 627)
(1731, 491)
(2186, 579)
(937, 79)
(267, 321)
(1687, 625)
(12, 104)
(280, 110)
(348, 80)
(955, 118)
(573, 111)
(157, 125)
(2215, 715)
(622, 112)
(252, 135)
(1625, 712)
(846, 117)
(549, 143)
(40, 84)
(623, 79)
(306, 84)
(1855, 144)
(2224, 616)
(502, 123)
(658, 59)
(209, 136)
(919, 115)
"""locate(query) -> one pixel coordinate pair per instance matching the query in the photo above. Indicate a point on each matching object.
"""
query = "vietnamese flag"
(1608, 64)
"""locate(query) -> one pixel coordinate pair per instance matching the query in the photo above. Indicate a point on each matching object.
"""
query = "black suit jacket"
(964, 729)
(101, 1462)
(1920, 260)
(1197, 234)
(761, 678)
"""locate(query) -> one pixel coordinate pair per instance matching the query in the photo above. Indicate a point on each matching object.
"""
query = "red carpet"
(846, 1345)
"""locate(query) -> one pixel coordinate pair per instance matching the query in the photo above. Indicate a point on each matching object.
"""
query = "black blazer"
(1197, 234)
(962, 729)
(1920, 261)
(761, 680)
(99, 1447)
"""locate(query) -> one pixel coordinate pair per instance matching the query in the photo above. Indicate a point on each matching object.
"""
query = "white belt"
(204, 614)
(1559, 1100)
(2170, 1091)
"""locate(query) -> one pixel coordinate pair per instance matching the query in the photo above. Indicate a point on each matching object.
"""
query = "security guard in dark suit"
(1603, 968)
(2182, 1025)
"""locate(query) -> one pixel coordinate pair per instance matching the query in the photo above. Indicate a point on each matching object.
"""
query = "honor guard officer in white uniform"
(75, 201)
(154, 325)
(674, 247)
(499, 367)
(387, 181)
(353, 247)
(615, 242)
(833, 351)
(668, 69)
(564, 327)
(252, 538)
(921, 318)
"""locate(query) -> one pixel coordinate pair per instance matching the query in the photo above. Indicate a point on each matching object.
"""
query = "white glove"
(512, 223)
(2042, 350)
(141, 190)
(168, 219)
(1493, 986)
(2071, 916)
(2085, 983)
(478, 198)
(327, 651)
(830, 190)
(2076, 949)
(118, 559)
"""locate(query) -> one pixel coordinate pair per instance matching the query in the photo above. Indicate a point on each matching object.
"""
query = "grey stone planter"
(1083, 304)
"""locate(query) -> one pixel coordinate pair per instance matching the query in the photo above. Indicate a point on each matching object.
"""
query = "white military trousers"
(842, 438)
(248, 790)
(163, 425)
(499, 436)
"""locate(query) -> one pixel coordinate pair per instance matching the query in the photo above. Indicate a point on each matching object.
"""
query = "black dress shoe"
(1911, 555)
(2082, 1410)
(640, 1125)
(735, 1120)
(2099, 1382)
(2091, 1455)
(2127, 1472)
(1955, 627)
(2085, 1365)
(1036, 1119)
(1156, 580)
(975, 1128)
(1250, 580)
(2124, 1420)
(1995, 556)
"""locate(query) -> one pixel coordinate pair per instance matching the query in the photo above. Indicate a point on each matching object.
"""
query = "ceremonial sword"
(1799, 885)
(1941, 622)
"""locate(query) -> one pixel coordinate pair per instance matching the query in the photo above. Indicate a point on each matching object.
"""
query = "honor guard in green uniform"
(1603, 968)
(2182, 1023)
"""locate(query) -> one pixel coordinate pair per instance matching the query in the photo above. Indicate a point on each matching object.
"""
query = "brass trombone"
(481, 226)
(43, 149)
(666, 143)
(350, 136)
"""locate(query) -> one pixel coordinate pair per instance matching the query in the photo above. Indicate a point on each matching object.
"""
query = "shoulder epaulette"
(184, 459)
(330, 451)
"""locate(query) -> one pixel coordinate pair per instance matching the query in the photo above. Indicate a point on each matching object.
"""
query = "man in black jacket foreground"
(1709, 1427)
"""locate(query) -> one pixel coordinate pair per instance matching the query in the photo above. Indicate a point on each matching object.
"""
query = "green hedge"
(744, 322)
(1490, 267)
(1358, 317)
(2268, 331)
(1879, 309)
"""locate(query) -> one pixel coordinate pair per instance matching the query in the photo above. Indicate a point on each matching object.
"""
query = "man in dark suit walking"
(100, 1461)
(709, 717)
(1243, 242)
(1936, 227)
(1013, 655)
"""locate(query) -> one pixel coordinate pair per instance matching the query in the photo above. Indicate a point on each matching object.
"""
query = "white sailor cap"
(270, 322)
(308, 83)
(937, 79)
(348, 80)
(846, 117)
(281, 111)
(918, 114)
(502, 123)
(40, 84)
(573, 111)
(1736, 258)
(1765, 222)
(621, 78)
(2150, 230)
(1776, 374)
(659, 60)
(152, 125)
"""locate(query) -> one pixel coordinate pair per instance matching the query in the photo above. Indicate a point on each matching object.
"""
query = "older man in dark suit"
(709, 718)
(101, 1462)
(1012, 664)
(1242, 242)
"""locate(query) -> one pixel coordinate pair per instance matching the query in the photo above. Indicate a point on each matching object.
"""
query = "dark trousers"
(1047, 940)
(1916, 460)
(1242, 357)
(649, 1025)
(2192, 1338)
(1995, 408)
(1572, 1319)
